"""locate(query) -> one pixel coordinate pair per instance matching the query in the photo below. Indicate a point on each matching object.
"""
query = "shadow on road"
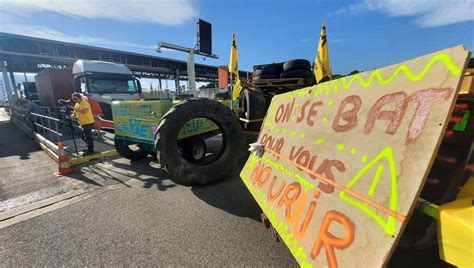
(80, 176)
(121, 170)
(231, 196)
(149, 168)
(14, 142)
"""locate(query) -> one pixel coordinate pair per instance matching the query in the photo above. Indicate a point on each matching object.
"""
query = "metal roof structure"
(31, 55)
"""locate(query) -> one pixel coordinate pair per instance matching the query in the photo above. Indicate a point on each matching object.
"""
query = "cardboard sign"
(345, 160)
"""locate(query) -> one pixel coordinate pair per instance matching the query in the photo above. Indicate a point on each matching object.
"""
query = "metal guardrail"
(50, 127)
(53, 126)
(49, 130)
(18, 117)
(47, 126)
(42, 128)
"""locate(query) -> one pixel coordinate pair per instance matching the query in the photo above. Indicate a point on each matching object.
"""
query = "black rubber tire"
(270, 69)
(297, 74)
(231, 157)
(267, 76)
(298, 64)
(253, 106)
(268, 100)
(311, 81)
(188, 146)
(123, 150)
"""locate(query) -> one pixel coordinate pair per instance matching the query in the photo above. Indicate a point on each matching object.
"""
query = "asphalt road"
(132, 214)
(148, 221)
(26, 171)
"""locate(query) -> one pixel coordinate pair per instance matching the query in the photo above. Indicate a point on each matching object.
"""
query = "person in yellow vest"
(83, 114)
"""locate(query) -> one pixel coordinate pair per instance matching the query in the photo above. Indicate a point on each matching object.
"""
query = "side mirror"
(77, 84)
(139, 86)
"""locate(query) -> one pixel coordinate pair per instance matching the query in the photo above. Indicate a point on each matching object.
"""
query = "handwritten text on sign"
(345, 160)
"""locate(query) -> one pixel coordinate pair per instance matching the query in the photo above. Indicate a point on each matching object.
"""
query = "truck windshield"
(112, 86)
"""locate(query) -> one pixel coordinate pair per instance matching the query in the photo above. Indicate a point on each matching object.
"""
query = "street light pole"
(191, 71)
(190, 60)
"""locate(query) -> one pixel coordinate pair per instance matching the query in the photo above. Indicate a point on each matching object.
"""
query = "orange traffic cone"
(64, 166)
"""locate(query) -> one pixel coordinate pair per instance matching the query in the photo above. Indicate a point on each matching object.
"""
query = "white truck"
(105, 82)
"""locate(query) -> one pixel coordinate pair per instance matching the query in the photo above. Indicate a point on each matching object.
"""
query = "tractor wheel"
(128, 150)
(227, 161)
(194, 149)
(253, 107)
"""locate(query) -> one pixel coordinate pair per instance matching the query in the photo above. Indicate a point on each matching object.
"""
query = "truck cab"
(28, 91)
(105, 82)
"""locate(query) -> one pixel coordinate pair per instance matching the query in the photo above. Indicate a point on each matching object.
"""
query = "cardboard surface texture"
(345, 160)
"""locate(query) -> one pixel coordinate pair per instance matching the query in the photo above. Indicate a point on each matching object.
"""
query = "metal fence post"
(42, 126)
(57, 130)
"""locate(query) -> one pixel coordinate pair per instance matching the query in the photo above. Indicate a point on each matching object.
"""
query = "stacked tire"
(298, 68)
(268, 71)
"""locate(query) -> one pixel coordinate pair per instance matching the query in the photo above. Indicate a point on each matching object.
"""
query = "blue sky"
(362, 34)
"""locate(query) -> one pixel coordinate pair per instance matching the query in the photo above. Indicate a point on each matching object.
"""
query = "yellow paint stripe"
(83, 159)
(334, 85)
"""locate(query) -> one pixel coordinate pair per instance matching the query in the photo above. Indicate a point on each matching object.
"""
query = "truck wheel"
(194, 149)
(129, 151)
(223, 164)
(298, 64)
(253, 107)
